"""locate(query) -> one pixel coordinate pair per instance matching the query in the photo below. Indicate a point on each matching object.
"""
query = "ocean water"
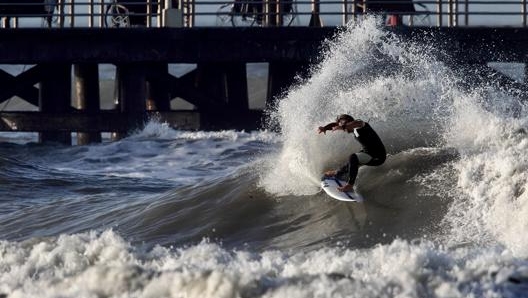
(170, 213)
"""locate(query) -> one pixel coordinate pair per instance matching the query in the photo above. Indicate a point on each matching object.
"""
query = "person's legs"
(363, 158)
(353, 165)
(354, 161)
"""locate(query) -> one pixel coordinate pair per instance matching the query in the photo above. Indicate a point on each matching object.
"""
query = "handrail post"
(102, 13)
(72, 13)
(449, 13)
(267, 13)
(466, 11)
(271, 14)
(440, 13)
(354, 11)
(90, 14)
(315, 19)
(190, 5)
(149, 13)
(455, 10)
(523, 11)
(60, 12)
(181, 6)
(345, 12)
(279, 12)
(161, 8)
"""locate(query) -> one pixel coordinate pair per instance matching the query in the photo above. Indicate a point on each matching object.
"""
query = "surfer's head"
(343, 119)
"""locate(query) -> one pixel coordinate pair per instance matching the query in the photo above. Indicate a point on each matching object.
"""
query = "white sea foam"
(103, 264)
(492, 205)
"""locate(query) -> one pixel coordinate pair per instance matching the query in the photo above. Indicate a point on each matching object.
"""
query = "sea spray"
(373, 75)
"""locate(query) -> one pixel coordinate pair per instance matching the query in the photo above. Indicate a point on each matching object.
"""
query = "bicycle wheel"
(117, 16)
(246, 13)
(244, 20)
(223, 15)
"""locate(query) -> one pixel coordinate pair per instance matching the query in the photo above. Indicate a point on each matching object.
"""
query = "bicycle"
(251, 13)
(116, 15)
(127, 13)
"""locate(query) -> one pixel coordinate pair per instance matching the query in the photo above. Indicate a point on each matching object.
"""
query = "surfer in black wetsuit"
(372, 154)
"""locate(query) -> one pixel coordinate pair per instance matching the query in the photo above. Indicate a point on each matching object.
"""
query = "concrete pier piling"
(87, 97)
(55, 98)
(132, 94)
(158, 88)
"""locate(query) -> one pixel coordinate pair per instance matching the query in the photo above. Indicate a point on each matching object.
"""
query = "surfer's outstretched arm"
(329, 126)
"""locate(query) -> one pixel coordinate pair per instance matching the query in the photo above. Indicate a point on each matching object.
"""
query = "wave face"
(168, 213)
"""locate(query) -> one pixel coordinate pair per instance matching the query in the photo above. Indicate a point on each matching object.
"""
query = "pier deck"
(221, 44)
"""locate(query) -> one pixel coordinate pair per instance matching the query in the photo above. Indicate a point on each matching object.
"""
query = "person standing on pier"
(373, 151)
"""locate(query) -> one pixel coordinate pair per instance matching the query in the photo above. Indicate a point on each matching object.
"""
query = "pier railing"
(191, 13)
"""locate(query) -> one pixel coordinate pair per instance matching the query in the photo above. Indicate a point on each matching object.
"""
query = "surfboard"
(330, 185)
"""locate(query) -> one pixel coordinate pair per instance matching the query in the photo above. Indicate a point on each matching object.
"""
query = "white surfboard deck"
(330, 185)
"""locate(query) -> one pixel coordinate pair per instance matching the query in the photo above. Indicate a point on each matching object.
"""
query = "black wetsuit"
(371, 145)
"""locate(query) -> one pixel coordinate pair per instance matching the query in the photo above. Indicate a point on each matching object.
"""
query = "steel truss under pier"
(217, 87)
(66, 59)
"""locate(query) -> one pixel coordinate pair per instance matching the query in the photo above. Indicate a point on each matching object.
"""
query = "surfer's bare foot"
(330, 173)
(346, 187)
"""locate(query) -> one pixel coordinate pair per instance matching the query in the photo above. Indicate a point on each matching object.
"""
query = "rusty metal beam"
(104, 121)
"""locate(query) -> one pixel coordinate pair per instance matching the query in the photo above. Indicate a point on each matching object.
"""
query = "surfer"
(372, 153)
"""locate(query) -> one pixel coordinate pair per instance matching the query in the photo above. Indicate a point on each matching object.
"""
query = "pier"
(64, 51)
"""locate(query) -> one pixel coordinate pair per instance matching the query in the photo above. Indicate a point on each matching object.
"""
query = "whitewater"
(173, 213)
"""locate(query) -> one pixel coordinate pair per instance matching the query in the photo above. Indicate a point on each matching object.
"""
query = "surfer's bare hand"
(321, 130)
